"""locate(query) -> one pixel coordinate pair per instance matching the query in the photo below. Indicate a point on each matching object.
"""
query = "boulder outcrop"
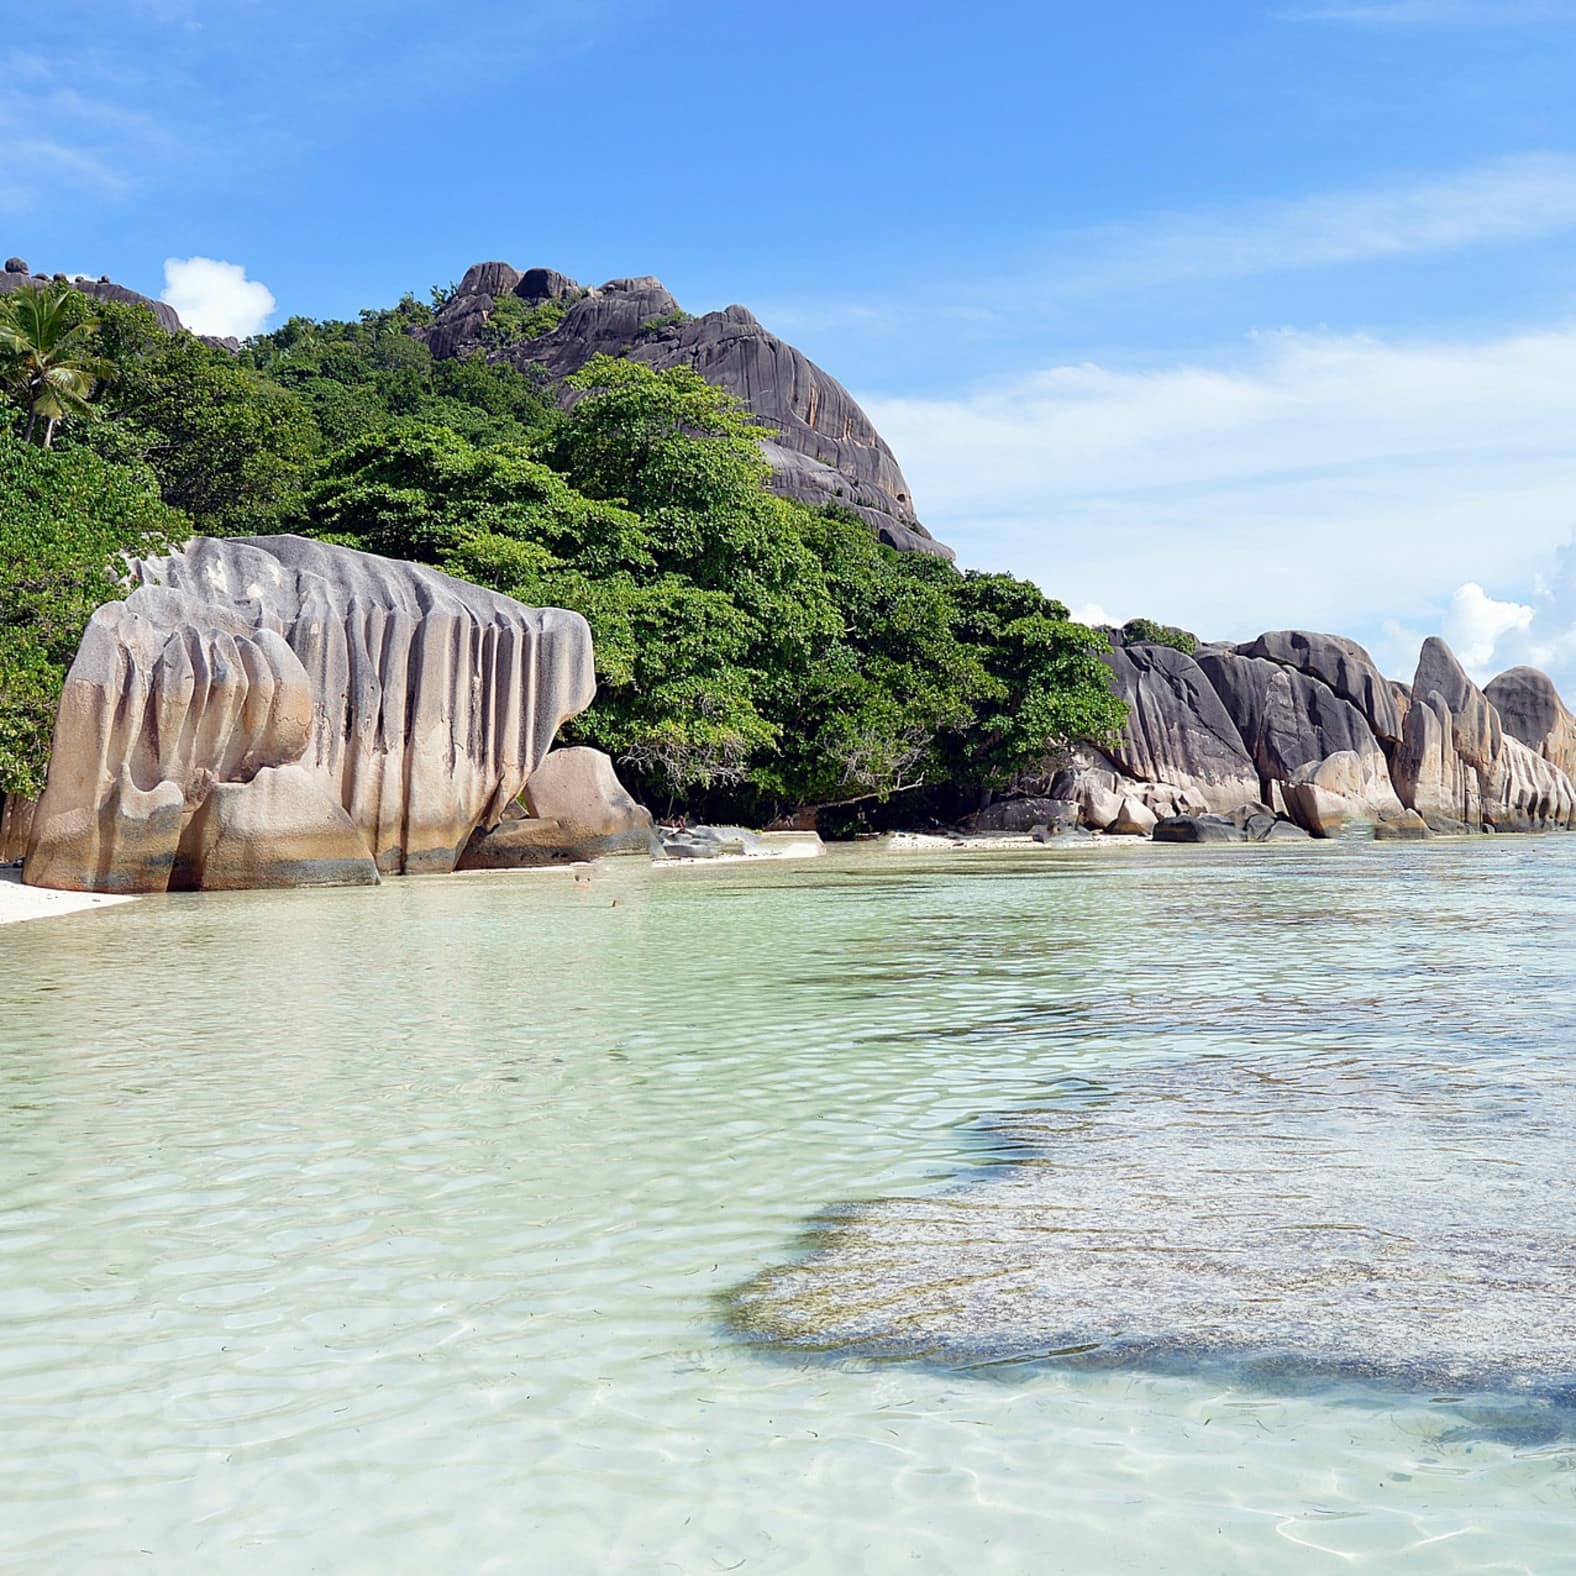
(573, 807)
(1530, 709)
(1304, 726)
(273, 711)
(1343, 667)
(1301, 735)
(1178, 731)
(826, 449)
(16, 275)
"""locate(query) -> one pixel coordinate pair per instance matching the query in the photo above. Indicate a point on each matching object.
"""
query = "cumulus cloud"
(1475, 624)
(1092, 613)
(1490, 635)
(214, 297)
(1337, 482)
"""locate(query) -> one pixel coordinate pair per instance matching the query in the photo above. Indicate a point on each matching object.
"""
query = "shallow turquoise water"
(394, 1230)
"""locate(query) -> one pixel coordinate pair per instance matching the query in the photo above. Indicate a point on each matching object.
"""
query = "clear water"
(396, 1230)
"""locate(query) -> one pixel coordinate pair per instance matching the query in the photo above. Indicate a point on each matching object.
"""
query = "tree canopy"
(754, 657)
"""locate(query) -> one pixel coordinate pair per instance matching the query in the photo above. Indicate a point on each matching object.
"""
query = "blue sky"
(1241, 314)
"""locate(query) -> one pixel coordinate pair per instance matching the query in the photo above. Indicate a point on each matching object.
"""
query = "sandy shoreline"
(18, 902)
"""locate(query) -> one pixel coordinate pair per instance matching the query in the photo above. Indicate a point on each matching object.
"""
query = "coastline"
(18, 902)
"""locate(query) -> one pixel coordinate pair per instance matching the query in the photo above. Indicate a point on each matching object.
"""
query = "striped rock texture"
(272, 711)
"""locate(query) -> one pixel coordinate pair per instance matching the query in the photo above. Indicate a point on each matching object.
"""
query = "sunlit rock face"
(1178, 733)
(1304, 724)
(1531, 710)
(273, 711)
(823, 450)
(1319, 1215)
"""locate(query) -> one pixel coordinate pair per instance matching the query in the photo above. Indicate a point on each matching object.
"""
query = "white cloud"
(1435, 13)
(1316, 480)
(1475, 624)
(213, 297)
(1504, 200)
(1092, 613)
(1490, 636)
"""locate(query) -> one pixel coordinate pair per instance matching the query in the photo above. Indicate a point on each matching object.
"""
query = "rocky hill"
(16, 274)
(826, 450)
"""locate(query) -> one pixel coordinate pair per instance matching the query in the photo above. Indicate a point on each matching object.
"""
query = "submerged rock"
(1311, 1215)
(273, 711)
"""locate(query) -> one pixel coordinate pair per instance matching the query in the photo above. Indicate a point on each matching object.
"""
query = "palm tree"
(43, 354)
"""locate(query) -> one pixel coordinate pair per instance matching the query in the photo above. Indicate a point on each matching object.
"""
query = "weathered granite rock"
(578, 788)
(99, 289)
(278, 829)
(1459, 768)
(1302, 735)
(1530, 709)
(826, 449)
(1022, 815)
(708, 842)
(1430, 776)
(1199, 829)
(271, 711)
(1527, 793)
(1305, 723)
(16, 824)
(1178, 731)
(1134, 818)
(1475, 722)
(1341, 665)
(576, 809)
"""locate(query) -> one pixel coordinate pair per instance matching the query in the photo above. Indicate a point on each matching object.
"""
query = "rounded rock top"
(15, 265)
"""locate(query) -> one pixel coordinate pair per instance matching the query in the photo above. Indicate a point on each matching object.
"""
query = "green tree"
(1147, 631)
(1049, 688)
(67, 517)
(46, 356)
(230, 446)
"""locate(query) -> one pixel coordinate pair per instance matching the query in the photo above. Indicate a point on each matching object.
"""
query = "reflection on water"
(396, 1229)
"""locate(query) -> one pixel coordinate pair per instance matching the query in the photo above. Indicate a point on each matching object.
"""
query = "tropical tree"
(46, 356)
(67, 521)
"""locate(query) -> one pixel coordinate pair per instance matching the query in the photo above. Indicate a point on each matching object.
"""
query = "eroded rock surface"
(1306, 726)
(273, 711)
(826, 450)
(1315, 1215)
(574, 808)
(1178, 731)
(1531, 710)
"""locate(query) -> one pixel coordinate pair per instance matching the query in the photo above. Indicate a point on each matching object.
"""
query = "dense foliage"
(66, 516)
(754, 657)
(1146, 631)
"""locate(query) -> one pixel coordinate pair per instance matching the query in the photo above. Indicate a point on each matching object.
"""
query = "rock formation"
(16, 275)
(826, 450)
(273, 711)
(1303, 727)
(1530, 709)
(1178, 733)
(1303, 736)
(573, 807)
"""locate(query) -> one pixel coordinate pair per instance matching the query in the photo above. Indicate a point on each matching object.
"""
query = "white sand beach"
(18, 902)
